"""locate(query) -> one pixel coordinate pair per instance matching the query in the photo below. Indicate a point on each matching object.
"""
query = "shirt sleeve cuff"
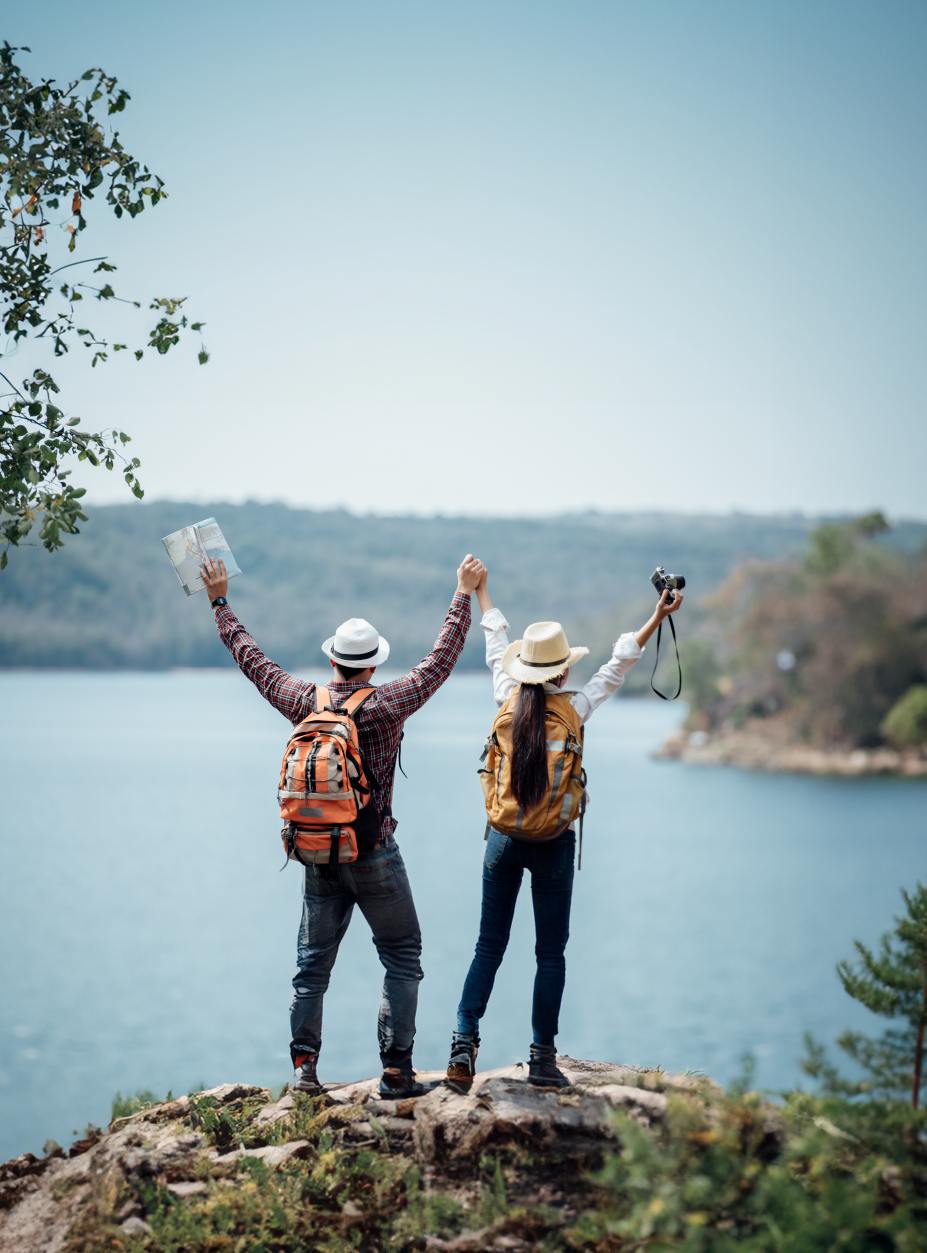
(626, 648)
(494, 620)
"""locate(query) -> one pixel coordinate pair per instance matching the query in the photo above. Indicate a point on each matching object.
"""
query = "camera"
(661, 581)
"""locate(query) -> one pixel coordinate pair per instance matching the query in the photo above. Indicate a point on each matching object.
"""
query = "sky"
(517, 258)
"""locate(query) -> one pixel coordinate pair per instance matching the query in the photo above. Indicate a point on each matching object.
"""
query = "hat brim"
(521, 673)
(362, 663)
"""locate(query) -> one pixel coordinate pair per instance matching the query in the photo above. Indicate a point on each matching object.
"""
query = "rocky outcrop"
(502, 1108)
(189, 1150)
(770, 744)
(40, 1199)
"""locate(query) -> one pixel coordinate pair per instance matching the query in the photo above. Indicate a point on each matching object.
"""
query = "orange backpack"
(324, 794)
(565, 799)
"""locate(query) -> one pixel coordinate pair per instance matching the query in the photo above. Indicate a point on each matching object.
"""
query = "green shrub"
(891, 982)
(123, 1106)
(906, 722)
(815, 1174)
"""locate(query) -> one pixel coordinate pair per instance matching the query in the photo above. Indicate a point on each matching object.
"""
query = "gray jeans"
(378, 883)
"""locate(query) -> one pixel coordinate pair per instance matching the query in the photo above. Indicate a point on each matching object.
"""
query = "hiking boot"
(462, 1065)
(398, 1083)
(305, 1079)
(542, 1068)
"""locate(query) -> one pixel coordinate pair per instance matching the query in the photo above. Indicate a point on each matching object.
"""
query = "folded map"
(188, 548)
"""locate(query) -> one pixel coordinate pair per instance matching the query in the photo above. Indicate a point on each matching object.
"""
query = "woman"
(550, 861)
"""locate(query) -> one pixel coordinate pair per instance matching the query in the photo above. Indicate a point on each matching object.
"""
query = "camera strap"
(657, 660)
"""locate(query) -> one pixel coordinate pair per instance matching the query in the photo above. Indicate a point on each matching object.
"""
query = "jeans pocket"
(495, 847)
(378, 875)
(553, 859)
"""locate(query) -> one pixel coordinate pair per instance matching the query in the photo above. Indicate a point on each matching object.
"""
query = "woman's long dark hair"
(529, 745)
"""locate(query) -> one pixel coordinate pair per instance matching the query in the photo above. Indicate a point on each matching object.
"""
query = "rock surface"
(502, 1106)
(46, 1203)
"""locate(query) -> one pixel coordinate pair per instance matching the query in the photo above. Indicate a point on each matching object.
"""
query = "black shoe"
(305, 1079)
(542, 1068)
(398, 1083)
(462, 1065)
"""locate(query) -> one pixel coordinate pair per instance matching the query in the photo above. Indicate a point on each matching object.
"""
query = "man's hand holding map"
(190, 547)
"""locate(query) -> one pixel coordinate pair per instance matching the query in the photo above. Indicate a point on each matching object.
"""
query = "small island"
(816, 666)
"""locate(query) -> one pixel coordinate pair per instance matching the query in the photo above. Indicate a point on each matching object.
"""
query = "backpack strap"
(353, 702)
(582, 811)
(350, 705)
(332, 870)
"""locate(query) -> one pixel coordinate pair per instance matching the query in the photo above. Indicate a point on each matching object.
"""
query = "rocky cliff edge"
(205, 1170)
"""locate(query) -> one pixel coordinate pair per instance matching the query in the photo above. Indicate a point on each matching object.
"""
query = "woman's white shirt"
(606, 680)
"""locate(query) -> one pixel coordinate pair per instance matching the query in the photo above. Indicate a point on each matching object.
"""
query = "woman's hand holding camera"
(663, 609)
(660, 614)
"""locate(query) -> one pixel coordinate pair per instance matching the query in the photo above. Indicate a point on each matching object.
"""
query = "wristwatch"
(220, 600)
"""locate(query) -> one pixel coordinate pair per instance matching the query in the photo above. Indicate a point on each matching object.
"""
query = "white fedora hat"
(356, 644)
(541, 655)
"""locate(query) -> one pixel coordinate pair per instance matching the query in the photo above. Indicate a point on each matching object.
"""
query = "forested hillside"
(111, 598)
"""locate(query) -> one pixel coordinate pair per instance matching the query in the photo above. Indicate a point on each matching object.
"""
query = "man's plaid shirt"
(379, 721)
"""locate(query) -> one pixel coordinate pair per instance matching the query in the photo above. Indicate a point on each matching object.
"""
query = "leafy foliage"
(906, 721)
(58, 153)
(833, 544)
(739, 1174)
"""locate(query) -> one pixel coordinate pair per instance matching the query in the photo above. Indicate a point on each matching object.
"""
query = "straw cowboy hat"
(541, 655)
(356, 643)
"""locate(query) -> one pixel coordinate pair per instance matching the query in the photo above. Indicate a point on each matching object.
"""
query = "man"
(377, 881)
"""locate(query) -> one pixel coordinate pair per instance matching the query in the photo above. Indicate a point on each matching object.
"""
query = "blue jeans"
(551, 865)
(378, 883)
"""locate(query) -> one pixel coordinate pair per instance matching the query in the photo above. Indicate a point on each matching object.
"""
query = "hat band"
(355, 656)
(543, 665)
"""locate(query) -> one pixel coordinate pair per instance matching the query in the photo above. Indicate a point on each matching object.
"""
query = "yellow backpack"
(566, 796)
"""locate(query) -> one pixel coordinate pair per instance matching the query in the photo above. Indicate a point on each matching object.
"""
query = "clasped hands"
(470, 574)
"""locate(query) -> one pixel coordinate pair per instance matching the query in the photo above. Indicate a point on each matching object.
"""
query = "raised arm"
(289, 696)
(627, 650)
(663, 610)
(497, 641)
(402, 697)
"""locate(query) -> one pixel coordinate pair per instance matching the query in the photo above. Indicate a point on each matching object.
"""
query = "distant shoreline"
(761, 745)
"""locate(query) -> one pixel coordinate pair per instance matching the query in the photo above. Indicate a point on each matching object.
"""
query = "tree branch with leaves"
(59, 153)
(891, 982)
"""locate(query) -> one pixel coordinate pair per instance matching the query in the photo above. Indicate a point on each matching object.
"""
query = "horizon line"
(796, 515)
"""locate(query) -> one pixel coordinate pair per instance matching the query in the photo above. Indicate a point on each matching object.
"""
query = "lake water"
(147, 936)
